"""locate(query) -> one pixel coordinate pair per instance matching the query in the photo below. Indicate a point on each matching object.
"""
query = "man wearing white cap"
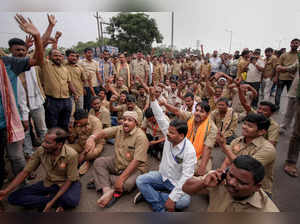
(117, 174)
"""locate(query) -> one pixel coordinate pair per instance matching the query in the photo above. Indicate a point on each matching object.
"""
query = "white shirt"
(253, 75)
(176, 173)
(22, 101)
(185, 108)
(215, 63)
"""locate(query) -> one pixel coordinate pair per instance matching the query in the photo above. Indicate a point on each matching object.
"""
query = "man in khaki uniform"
(85, 126)
(78, 77)
(100, 111)
(91, 68)
(118, 173)
(243, 63)
(240, 193)
(254, 144)
(60, 187)
(56, 80)
(123, 70)
(225, 119)
(286, 76)
(177, 68)
(117, 88)
(157, 74)
(139, 68)
(129, 106)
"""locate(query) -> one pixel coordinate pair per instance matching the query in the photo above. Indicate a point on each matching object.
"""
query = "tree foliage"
(80, 46)
(133, 32)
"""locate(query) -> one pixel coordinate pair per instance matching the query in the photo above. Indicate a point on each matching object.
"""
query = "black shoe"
(138, 198)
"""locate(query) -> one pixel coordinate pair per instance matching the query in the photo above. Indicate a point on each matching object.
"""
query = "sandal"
(116, 196)
(291, 171)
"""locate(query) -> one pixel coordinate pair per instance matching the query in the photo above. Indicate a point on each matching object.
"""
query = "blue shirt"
(14, 66)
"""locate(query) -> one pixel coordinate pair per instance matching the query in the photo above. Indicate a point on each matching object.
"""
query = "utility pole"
(97, 16)
(230, 31)
(172, 35)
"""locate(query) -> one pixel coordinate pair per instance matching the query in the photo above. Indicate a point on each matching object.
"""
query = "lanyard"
(175, 157)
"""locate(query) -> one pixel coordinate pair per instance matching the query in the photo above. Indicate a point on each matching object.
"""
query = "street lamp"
(230, 31)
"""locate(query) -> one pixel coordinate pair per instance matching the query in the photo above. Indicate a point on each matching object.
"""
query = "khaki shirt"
(262, 150)
(176, 69)
(242, 64)
(157, 74)
(230, 121)
(83, 133)
(59, 171)
(220, 200)
(205, 70)
(119, 90)
(55, 80)
(103, 115)
(153, 130)
(123, 72)
(123, 108)
(139, 68)
(129, 147)
(142, 101)
(77, 77)
(287, 59)
(91, 68)
(273, 131)
(270, 65)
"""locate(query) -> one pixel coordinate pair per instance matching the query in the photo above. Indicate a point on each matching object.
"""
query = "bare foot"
(59, 209)
(105, 198)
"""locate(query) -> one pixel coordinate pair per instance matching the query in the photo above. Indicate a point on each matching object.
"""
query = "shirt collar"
(62, 154)
(256, 200)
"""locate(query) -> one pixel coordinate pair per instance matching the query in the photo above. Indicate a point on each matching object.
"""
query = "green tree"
(133, 32)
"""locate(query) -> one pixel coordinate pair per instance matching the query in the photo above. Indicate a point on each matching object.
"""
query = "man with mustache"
(163, 189)
(117, 174)
(236, 190)
(253, 143)
(60, 188)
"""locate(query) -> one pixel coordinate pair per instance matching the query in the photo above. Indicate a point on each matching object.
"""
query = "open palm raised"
(26, 26)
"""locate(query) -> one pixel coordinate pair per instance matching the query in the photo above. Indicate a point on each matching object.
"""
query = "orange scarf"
(198, 140)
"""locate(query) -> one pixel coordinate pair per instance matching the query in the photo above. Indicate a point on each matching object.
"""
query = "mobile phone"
(223, 176)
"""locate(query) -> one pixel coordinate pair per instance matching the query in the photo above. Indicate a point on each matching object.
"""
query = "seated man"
(267, 109)
(238, 189)
(154, 134)
(85, 126)
(129, 106)
(61, 188)
(177, 165)
(252, 142)
(202, 132)
(225, 119)
(117, 174)
(100, 111)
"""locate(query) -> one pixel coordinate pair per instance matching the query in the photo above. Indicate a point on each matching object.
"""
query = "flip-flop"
(288, 170)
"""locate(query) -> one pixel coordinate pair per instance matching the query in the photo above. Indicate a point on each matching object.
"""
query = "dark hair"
(272, 106)
(218, 87)
(130, 98)
(296, 39)
(93, 98)
(61, 134)
(246, 162)
(269, 49)
(140, 87)
(260, 120)
(80, 114)
(70, 51)
(245, 52)
(101, 89)
(87, 49)
(204, 105)
(189, 94)
(149, 113)
(16, 41)
(180, 125)
(124, 92)
(223, 99)
(173, 81)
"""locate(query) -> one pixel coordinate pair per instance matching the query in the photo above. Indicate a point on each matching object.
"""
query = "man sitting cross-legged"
(163, 189)
(85, 126)
(60, 188)
(117, 174)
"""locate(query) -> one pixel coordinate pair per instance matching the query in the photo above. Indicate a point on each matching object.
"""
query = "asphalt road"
(285, 189)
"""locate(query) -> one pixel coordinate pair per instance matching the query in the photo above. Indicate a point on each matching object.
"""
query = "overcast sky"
(254, 24)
